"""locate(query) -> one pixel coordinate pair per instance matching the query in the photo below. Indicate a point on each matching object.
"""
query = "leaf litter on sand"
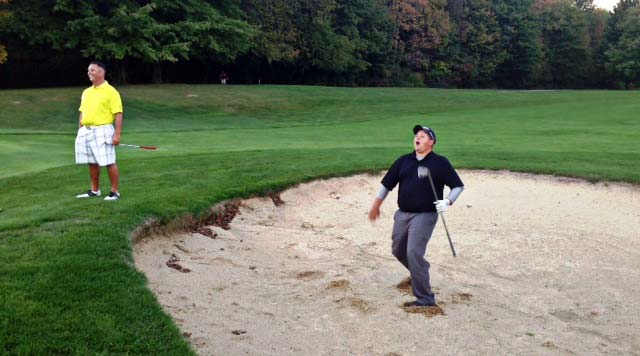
(340, 284)
(356, 303)
(405, 286)
(173, 263)
(208, 232)
(461, 298)
(275, 198)
(428, 312)
(308, 275)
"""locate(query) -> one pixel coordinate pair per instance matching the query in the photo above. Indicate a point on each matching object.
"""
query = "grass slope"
(67, 285)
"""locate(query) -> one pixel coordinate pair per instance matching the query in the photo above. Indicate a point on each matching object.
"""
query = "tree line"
(440, 43)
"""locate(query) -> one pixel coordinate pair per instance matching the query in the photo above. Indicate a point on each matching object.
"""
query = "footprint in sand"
(309, 275)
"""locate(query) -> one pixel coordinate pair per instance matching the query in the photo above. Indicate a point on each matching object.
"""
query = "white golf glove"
(442, 205)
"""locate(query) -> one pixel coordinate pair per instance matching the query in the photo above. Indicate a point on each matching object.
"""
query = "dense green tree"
(423, 28)
(520, 38)
(613, 31)
(565, 40)
(117, 30)
(329, 40)
(367, 30)
(612, 35)
(475, 45)
(623, 57)
(34, 40)
(34, 23)
(157, 32)
(4, 15)
(278, 35)
(597, 23)
(323, 46)
(447, 43)
(211, 29)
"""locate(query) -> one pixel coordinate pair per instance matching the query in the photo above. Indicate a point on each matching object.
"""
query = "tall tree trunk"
(157, 73)
(205, 72)
(119, 75)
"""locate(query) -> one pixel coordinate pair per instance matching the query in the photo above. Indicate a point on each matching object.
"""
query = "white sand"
(546, 266)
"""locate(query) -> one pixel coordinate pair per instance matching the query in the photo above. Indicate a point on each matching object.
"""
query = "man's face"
(95, 73)
(422, 142)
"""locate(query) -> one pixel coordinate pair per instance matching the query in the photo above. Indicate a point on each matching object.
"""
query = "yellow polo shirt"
(99, 105)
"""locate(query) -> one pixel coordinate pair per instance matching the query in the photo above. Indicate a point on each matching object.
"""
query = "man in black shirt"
(418, 207)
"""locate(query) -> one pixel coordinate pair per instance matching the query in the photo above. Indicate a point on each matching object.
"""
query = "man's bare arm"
(118, 130)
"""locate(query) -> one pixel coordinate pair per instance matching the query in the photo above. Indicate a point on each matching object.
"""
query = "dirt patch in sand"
(429, 312)
(461, 298)
(405, 286)
(225, 215)
(545, 266)
(340, 284)
(357, 304)
(309, 275)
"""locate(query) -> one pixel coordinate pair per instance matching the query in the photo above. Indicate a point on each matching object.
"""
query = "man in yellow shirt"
(97, 137)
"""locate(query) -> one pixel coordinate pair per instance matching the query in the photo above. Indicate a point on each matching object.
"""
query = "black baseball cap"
(427, 130)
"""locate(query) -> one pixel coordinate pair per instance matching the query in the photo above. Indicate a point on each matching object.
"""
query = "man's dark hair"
(99, 64)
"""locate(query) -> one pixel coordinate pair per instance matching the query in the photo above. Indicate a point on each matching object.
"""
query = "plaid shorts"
(94, 144)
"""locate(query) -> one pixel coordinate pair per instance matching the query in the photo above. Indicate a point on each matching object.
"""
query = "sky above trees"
(605, 4)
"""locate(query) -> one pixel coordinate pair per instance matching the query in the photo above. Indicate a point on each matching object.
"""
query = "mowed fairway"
(67, 281)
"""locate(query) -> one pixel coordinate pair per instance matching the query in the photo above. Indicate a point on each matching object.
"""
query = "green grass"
(67, 282)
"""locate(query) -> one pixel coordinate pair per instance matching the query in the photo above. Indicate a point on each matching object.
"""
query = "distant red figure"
(223, 78)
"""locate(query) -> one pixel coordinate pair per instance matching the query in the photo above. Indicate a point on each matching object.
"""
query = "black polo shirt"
(415, 194)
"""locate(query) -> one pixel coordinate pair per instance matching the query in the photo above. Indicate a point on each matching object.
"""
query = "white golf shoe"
(113, 196)
(90, 193)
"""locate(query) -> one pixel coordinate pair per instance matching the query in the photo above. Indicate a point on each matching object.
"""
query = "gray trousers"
(411, 233)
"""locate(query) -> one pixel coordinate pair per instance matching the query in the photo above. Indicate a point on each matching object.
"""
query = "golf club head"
(423, 172)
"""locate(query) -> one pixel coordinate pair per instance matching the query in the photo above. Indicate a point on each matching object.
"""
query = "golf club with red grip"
(424, 172)
(140, 147)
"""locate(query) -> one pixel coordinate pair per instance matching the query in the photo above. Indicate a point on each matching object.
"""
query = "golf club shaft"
(433, 188)
(138, 146)
(453, 251)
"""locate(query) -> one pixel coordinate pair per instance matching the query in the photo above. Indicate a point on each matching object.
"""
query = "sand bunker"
(546, 266)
